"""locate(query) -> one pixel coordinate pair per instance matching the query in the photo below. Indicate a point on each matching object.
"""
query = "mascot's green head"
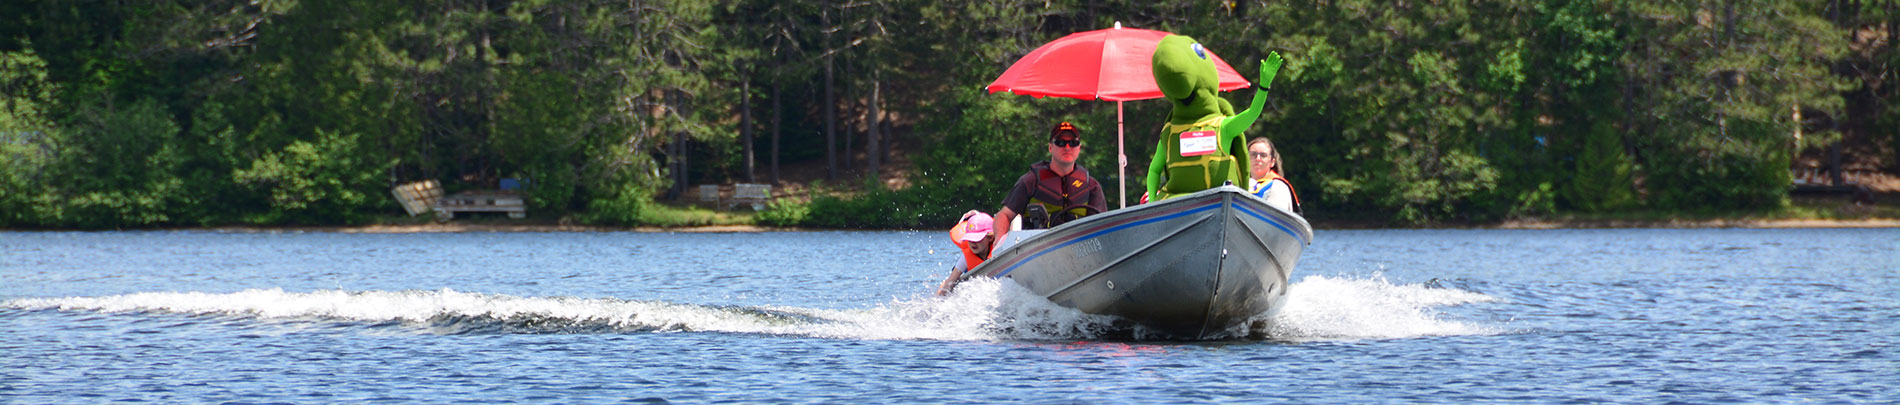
(1185, 72)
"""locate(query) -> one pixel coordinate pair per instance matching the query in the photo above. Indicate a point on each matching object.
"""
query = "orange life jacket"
(970, 260)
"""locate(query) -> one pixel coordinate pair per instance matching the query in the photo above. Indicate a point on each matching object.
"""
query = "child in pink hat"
(972, 236)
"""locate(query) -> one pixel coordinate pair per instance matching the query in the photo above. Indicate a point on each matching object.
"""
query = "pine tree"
(1602, 179)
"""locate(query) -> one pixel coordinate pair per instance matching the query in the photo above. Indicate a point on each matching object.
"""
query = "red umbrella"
(1112, 64)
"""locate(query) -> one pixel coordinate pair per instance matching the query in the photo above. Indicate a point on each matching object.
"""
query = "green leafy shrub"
(115, 167)
(783, 212)
(326, 181)
(1712, 172)
(26, 133)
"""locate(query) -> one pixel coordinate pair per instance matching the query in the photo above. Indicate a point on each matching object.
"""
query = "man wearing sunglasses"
(1058, 187)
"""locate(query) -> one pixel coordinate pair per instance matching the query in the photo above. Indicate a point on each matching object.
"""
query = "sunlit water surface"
(1436, 316)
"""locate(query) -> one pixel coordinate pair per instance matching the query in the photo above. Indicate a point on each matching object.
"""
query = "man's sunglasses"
(1067, 143)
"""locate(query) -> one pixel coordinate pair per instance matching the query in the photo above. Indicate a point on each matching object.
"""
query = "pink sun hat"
(976, 225)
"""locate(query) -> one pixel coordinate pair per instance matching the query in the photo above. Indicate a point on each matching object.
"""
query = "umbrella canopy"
(1108, 64)
(1114, 64)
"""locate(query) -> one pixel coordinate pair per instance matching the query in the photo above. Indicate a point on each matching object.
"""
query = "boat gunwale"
(1065, 239)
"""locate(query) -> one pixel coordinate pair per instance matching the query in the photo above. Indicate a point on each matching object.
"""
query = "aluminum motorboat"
(1192, 267)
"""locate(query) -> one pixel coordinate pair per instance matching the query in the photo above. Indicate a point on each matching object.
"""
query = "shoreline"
(1701, 224)
(488, 227)
(1519, 224)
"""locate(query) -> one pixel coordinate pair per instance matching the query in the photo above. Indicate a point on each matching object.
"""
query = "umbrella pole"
(1121, 156)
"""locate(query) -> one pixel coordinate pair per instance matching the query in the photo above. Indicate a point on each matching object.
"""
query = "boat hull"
(1190, 267)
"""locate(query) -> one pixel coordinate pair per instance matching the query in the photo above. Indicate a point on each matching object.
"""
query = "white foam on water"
(980, 309)
(1329, 308)
(1318, 308)
(419, 307)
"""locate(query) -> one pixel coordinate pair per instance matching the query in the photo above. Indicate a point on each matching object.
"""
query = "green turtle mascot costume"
(1203, 145)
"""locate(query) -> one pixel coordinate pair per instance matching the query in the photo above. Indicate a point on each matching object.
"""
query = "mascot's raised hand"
(1269, 68)
(1204, 142)
(1237, 126)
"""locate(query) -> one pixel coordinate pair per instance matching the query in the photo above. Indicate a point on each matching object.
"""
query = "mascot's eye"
(1199, 51)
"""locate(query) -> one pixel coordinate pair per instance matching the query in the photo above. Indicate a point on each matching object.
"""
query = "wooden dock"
(481, 201)
(733, 196)
(418, 197)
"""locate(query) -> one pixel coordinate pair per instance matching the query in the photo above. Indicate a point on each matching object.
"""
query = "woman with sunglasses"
(1268, 183)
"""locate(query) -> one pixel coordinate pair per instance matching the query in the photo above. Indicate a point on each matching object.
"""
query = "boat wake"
(1319, 308)
(1328, 308)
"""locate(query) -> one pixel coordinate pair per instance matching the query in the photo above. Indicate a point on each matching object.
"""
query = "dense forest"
(157, 113)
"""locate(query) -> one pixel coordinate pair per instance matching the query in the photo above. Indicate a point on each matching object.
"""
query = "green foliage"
(536, 138)
(1395, 119)
(621, 207)
(1720, 134)
(1570, 98)
(1714, 171)
(117, 167)
(26, 133)
(981, 146)
(669, 216)
(912, 208)
(1602, 181)
(132, 114)
(316, 182)
(25, 94)
(783, 213)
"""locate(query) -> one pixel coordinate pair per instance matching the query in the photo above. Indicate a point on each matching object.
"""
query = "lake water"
(1627, 315)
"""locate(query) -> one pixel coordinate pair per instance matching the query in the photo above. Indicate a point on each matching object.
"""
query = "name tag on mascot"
(1196, 143)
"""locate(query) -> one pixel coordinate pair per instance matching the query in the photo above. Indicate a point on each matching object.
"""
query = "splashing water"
(1319, 308)
(1324, 308)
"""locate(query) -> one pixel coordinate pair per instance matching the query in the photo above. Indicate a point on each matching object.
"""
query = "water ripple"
(1374, 316)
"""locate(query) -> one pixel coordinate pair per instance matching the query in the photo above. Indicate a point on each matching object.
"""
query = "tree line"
(173, 113)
